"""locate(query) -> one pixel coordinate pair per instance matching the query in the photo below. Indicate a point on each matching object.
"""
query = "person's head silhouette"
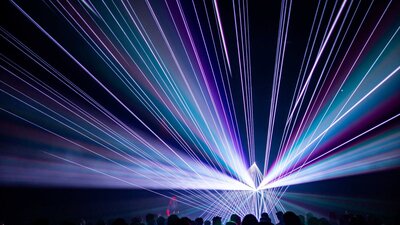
(249, 219)
(217, 220)
(172, 220)
(199, 221)
(265, 220)
(160, 220)
(235, 218)
(150, 219)
(290, 218)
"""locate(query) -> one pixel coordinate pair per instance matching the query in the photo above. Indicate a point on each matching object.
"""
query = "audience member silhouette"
(287, 218)
(160, 220)
(265, 220)
(184, 221)
(136, 221)
(119, 221)
(302, 220)
(150, 219)
(309, 216)
(312, 220)
(173, 220)
(323, 221)
(235, 218)
(199, 221)
(217, 220)
(290, 218)
(249, 219)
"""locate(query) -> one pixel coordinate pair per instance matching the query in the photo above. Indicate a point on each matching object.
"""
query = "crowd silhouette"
(287, 218)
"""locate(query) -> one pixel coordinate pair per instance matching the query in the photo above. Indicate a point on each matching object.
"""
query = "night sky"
(372, 190)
